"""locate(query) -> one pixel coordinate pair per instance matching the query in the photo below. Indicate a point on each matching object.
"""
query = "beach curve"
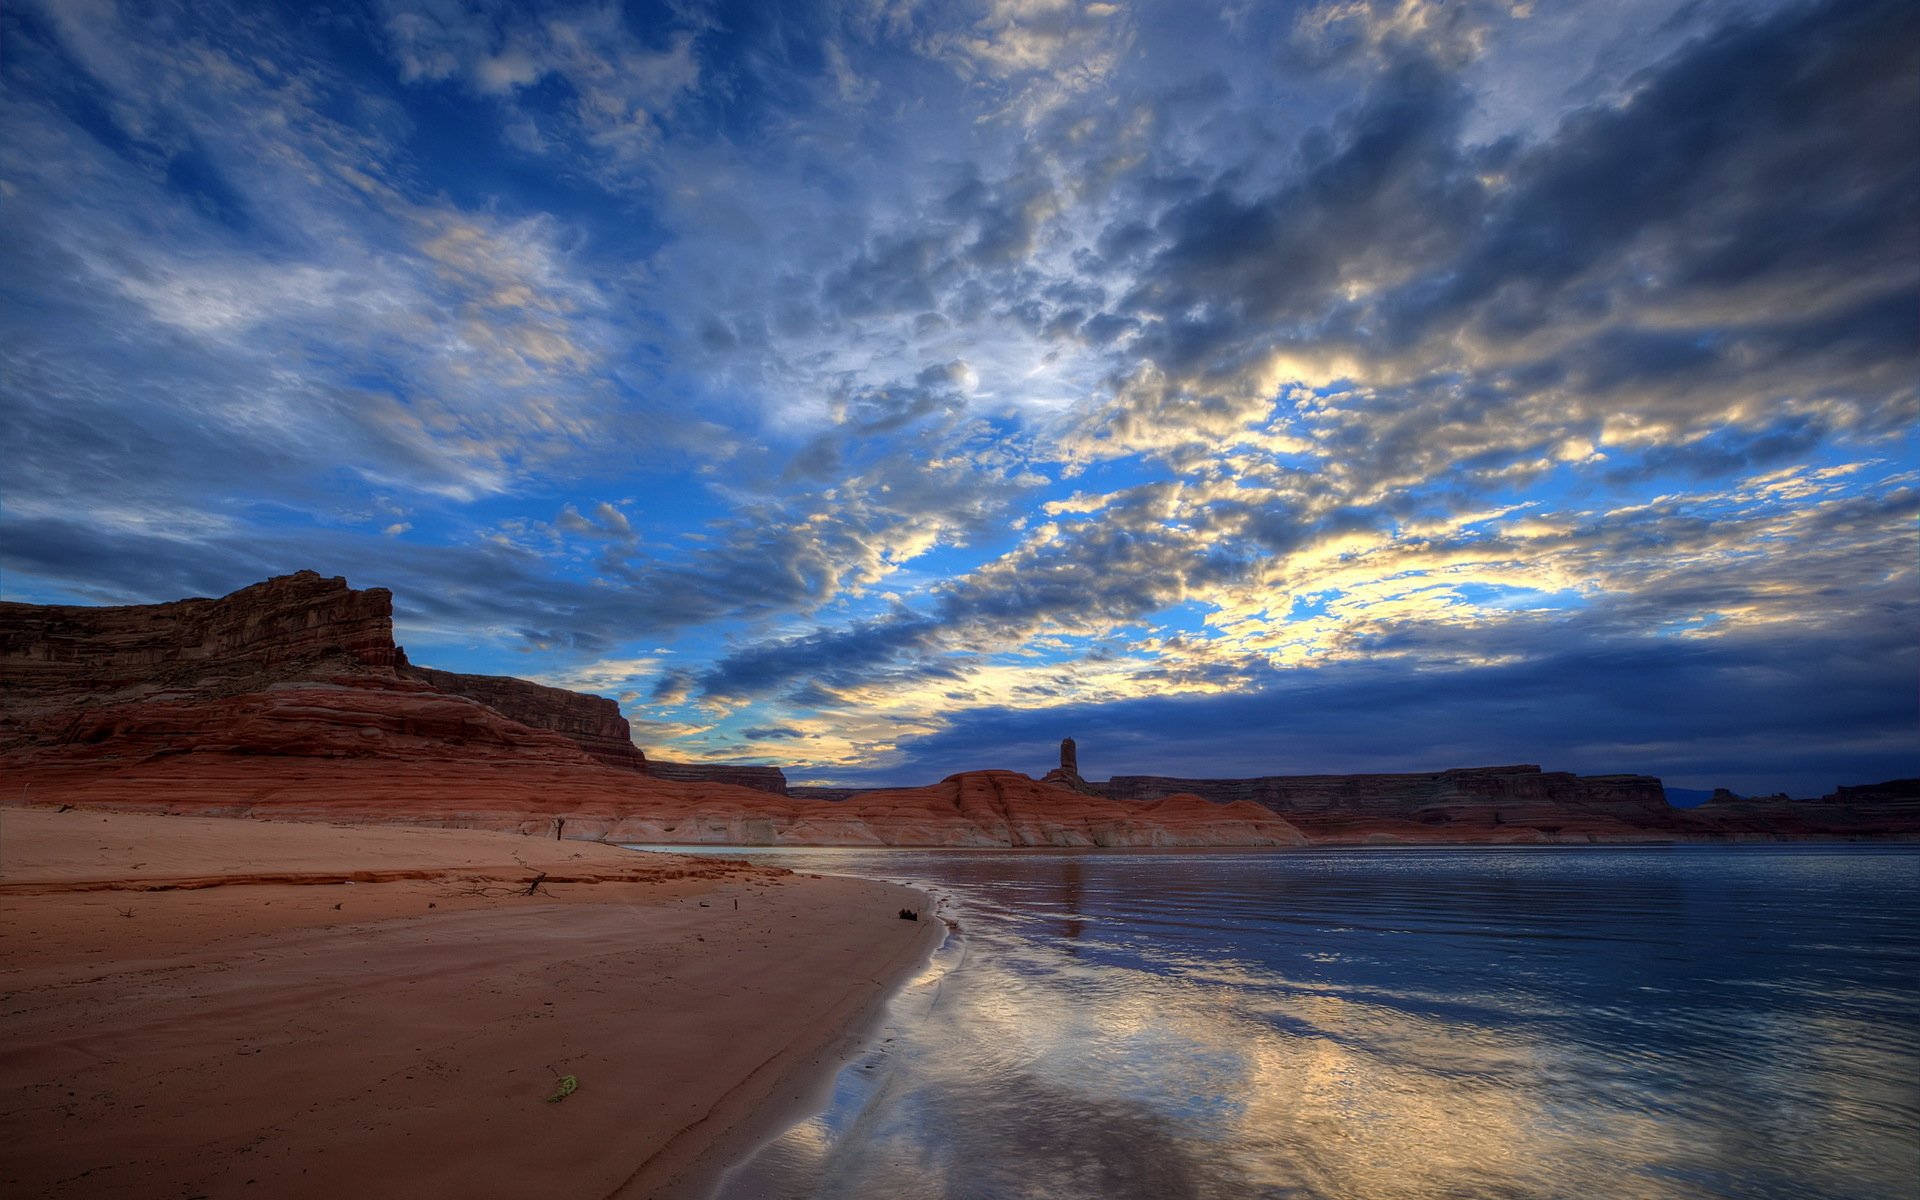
(252, 1034)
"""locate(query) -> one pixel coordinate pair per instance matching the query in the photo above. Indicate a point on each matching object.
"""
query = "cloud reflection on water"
(1389, 1026)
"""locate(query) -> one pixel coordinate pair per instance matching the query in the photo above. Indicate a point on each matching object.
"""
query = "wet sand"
(212, 1007)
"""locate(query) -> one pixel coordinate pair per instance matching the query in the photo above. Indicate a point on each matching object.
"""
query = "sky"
(887, 390)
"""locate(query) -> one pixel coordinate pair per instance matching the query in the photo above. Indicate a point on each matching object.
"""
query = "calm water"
(1649, 1022)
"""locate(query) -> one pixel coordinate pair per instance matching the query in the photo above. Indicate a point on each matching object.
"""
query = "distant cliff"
(1482, 803)
(1526, 804)
(1879, 810)
(289, 699)
(292, 626)
(300, 665)
(593, 721)
(765, 779)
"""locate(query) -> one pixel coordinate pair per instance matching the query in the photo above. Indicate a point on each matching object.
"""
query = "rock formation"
(765, 779)
(594, 722)
(299, 665)
(1067, 774)
(1483, 804)
(980, 809)
(1871, 811)
(294, 625)
(289, 699)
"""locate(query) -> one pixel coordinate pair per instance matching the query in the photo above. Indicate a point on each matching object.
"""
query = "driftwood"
(495, 891)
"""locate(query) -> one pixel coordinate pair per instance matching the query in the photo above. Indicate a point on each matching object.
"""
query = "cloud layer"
(886, 391)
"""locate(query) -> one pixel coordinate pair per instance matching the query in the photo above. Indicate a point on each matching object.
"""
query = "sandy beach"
(216, 1007)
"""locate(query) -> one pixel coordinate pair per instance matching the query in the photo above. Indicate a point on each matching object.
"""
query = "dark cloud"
(856, 653)
(771, 733)
(1741, 229)
(1486, 347)
(1755, 713)
(1394, 196)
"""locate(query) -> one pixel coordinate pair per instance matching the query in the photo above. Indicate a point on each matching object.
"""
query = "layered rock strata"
(1484, 804)
(291, 626)
(764, 779)
(593, 722)
(289, 699)
(298, 665)
(1871, 811)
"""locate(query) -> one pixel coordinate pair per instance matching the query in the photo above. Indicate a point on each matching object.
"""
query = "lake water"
(1739, 1021)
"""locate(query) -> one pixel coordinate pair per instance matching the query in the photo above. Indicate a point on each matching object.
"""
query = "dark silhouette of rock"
(765, 779)
(1862, 812)
(595, 722)
(1482, 804)
(289, 699)
(1067, 774)
(300, 664)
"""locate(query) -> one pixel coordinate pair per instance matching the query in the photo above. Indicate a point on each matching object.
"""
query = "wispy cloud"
(906, 369)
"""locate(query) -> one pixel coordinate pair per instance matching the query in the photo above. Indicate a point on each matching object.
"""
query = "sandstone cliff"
(594, 722)
(299, 665)
(295, 625)
(765, 779)
(289, 699)
(1481, 804)
(1870, 811)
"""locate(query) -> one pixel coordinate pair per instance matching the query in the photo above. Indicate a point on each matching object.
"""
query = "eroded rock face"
(1003, 808)
(289, 699)
(290, 626)
(1869, 811)
(764, 779)
(594, 722)
(1480, 804)
(300, 665)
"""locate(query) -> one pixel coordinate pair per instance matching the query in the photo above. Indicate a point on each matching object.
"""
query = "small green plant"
(563, 1089)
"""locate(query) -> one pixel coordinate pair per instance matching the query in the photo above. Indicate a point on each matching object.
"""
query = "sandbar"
(227, 1007)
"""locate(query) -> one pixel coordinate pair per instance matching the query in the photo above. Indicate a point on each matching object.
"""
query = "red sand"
(203, 1007)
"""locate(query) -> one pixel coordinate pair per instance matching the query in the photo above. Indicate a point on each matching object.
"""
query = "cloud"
(622, 86)
(1781, 710)
(901, 366)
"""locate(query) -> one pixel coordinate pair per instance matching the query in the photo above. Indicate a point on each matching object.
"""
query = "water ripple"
(1525, 1022)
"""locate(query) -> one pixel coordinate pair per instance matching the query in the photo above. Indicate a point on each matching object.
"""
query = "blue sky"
(884, 390)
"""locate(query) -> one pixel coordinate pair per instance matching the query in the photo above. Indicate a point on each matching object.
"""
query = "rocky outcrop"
(292, 626)
(289, 699)
(764, 779)
(1067, 774)
(300, 665)
(983, 809)
(1480, 804)
(594, 722)
(1878, 811)
(582, 800)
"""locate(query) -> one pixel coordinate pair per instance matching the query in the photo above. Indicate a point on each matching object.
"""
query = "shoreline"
(805, 1088)
(229, 1007)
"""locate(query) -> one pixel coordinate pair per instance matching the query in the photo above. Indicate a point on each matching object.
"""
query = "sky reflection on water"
(1649, 1022)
